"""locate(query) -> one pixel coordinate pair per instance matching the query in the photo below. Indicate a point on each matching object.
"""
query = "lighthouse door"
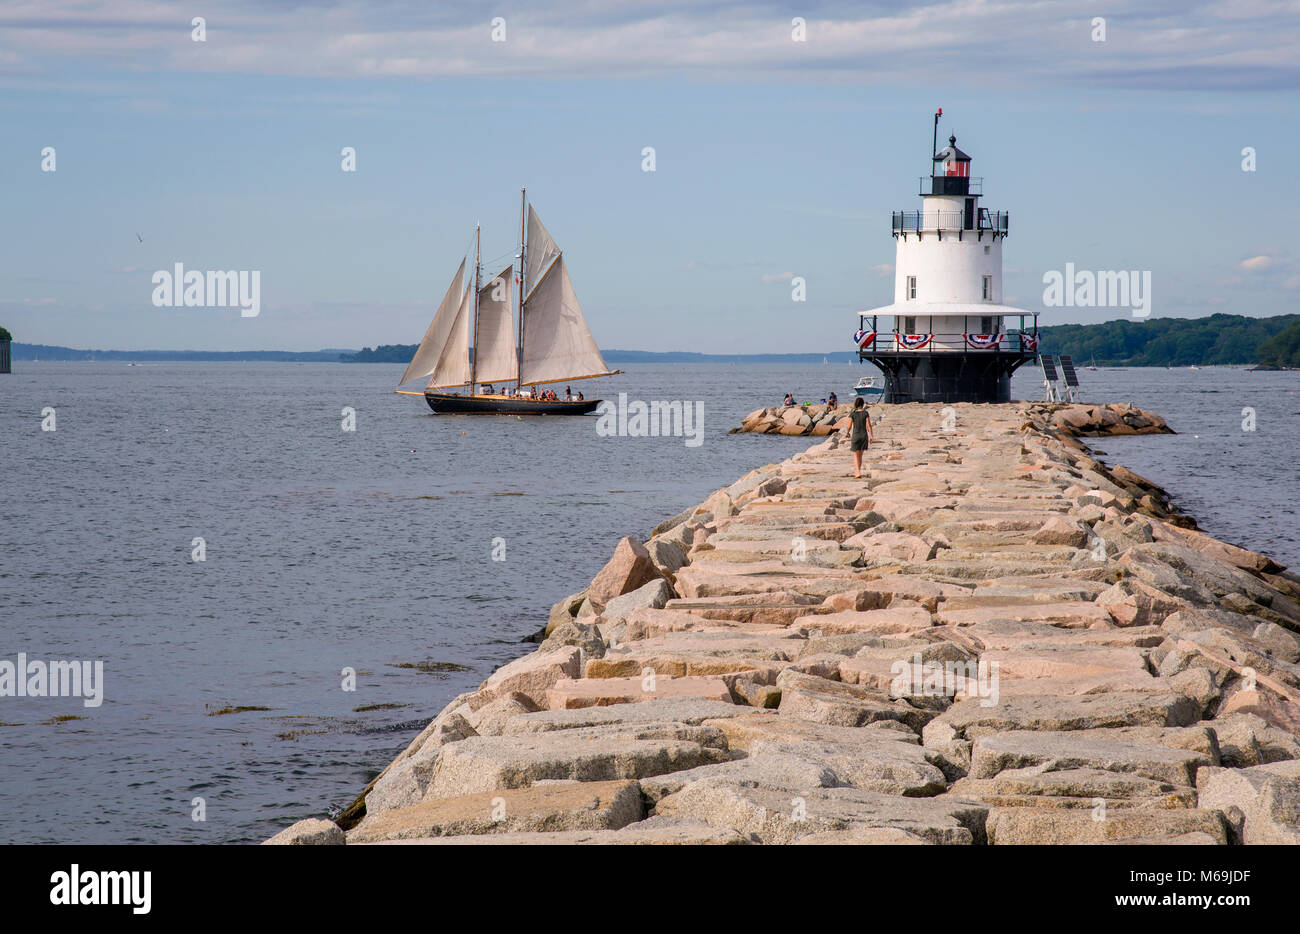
(969, 222)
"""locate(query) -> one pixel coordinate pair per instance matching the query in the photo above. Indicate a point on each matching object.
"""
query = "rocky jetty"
(992, 638)
(1119, 418)
(816, 420)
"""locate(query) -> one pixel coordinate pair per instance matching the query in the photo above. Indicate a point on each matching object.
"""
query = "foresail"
(453, 364)
(557, 342)
(496, 361)
(541, 251)
(426, 356)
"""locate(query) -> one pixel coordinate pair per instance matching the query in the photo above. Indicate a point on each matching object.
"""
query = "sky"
(773, 159)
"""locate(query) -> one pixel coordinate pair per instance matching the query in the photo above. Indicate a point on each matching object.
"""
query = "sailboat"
(470, 344)
(1093, 364)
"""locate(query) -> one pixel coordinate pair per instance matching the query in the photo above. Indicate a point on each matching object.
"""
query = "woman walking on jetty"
(861, 435)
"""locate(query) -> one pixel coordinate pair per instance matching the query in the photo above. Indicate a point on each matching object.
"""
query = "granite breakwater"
(991, 638)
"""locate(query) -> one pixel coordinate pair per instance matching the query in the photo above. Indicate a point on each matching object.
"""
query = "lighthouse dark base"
(947, 377)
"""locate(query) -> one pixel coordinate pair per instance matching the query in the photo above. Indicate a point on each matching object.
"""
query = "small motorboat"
(869, 388)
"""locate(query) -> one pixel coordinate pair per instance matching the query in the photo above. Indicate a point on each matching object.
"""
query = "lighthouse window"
(911, 286)
(988, 325)
(986, 249)
(988, 288)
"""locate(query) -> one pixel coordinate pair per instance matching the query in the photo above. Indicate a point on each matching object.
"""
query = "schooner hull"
(454, 404)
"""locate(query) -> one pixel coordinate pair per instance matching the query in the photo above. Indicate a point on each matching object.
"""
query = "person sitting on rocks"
(861, 435)
(832, 400)
(789, 399)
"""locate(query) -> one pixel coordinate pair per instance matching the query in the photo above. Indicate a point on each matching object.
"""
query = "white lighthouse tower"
(952, 339)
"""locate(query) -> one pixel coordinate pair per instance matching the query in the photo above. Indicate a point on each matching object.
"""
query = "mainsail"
(430, 350)
(557, 342)
(541, 250)
(453, 364)
(494, 357)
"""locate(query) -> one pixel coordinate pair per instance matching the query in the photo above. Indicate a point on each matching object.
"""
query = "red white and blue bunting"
(863, 338)
(913, 341)
(983, 341)
(1029, 342)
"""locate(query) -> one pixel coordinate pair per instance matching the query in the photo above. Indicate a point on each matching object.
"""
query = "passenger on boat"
(568, 394)
(487, 390)
(579, 396)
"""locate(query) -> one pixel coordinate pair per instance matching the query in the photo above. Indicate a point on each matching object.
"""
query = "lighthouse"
(947, 337)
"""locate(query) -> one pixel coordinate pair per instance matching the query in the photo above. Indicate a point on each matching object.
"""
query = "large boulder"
(492, 717)
(669, 556)
(647, 714)
(606, 805)
(1077, 750)
(651, 596)
(1034, 826)
(971, 719)
(1261, 803)
(584, 635)
(1045, 786)
(572, 693)
(883, 548)
(565, 610)
(534, 674)
(405, 781)
(630, 568)
(831, 702)
(487, 763)
(776, 816)
(310, 832)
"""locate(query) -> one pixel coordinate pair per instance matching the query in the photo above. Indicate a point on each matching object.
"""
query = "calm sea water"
(372, 550)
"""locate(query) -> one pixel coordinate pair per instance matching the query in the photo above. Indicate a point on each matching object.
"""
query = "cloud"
(1164, 45)
(1257, 264)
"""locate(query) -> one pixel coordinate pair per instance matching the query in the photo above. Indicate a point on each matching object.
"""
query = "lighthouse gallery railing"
(920, 221)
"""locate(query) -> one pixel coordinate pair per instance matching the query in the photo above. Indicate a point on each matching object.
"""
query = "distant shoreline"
(1216, 340)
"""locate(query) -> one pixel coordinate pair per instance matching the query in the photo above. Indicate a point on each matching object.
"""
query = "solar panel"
(1049, 369)
(1067, 370)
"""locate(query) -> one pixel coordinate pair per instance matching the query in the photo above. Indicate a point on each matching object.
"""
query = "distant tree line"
(1283, 348)
(1218, 339)
(384, 353)
(5, 335)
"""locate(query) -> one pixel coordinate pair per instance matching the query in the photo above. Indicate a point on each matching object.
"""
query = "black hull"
(452, 404)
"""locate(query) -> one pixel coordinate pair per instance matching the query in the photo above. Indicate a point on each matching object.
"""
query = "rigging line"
(506, 255)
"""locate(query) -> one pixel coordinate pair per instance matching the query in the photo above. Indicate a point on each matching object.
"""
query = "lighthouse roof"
(951, 152)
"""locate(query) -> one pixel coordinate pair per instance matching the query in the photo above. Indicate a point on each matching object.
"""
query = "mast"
(473, 354)
(934, 144)
(519, 353)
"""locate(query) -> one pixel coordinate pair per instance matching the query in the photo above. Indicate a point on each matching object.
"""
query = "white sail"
(495, 358)
(541, 251)
(426, 356)
(557, 342)
(453, 365)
